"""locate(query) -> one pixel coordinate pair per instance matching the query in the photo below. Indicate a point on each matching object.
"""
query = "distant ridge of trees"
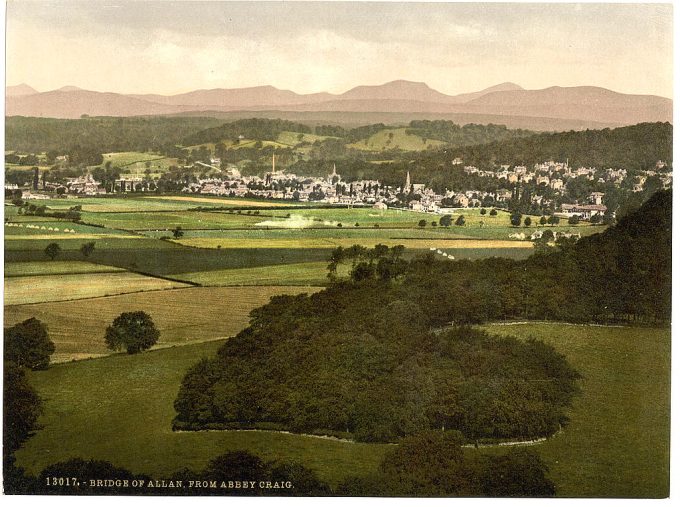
(635, 147)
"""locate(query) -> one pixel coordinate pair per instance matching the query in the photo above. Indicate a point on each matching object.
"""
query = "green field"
(136, 161)
(21, 290)
(399, 140)
(182, 315)
(304, 273)
(169, 220)
(615, 445)
(120, 409)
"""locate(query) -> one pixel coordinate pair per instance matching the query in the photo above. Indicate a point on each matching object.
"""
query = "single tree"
(177, 232)
(573, 220)
(482, 211)
(460, 221)
(554, 220)
(87, 248)
(28, 344)
(516, 219)
(445, 221)
(493, 213)
(527, 221)
(52, 250)
(434, 223)
(422, 223)
(134, 331)
(543, 220)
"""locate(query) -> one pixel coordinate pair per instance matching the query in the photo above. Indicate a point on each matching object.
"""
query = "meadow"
(390, 139)
(614, 446)
(183, 315)
(20, 290)
(303, 273)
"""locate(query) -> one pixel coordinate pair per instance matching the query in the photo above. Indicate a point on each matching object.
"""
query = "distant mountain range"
(585, 104)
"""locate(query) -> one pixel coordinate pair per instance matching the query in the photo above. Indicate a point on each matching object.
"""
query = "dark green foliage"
(516, 219)
(87, 248)
(635, 147)
(52, 250)
(573, 220)
(356, 359)
(28, 344)
(21, 408)
(466, 135)
(445, 221)
(519, 473)
(493, 213)
(177, 232)
(433, 464)
(133, 331)
(100, 135)
(460, 221)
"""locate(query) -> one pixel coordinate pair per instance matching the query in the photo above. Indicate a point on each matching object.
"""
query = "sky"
(173, 47)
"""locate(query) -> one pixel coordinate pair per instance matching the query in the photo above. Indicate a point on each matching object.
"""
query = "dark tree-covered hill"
(636, 147)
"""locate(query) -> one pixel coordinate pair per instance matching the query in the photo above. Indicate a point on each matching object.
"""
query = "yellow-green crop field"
(182, 316)
(21, 290)
(56, 268)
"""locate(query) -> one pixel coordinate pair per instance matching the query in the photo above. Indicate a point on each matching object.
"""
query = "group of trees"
(433, 464)
(355, 360)
(27, 346)
(381, 262)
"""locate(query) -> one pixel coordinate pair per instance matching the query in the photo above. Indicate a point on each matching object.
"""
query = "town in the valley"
(547, 183)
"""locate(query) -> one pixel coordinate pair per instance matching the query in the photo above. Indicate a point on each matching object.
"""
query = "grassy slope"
(126, 420)
(400, 140)
(616, 444)
(182, 316)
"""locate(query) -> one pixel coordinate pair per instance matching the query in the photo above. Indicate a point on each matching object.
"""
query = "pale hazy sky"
(172, 47)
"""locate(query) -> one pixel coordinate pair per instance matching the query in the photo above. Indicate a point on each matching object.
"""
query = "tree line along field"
(626, 375)
(183, 315)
